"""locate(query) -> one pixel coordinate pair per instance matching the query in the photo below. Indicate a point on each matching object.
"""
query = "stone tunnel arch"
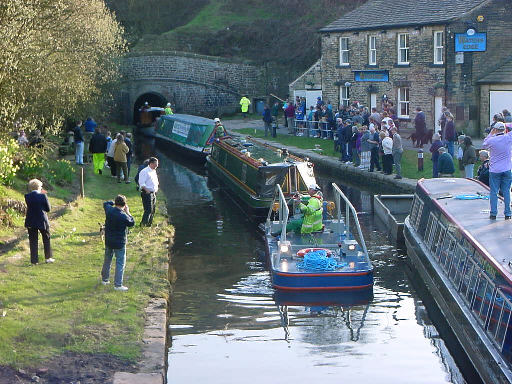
(154, 99)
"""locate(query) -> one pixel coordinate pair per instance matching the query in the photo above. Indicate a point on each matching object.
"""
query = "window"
(344, 96)
(438, 47)
(403, 48)
(344, 51)
(372, 50)
(403, 102)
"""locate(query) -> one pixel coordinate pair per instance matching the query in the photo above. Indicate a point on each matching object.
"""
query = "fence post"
(82, 189)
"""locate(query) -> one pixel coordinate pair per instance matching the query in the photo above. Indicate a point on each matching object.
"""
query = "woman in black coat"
(37, 220)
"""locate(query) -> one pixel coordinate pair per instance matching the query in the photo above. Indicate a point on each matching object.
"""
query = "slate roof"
(400, 13)
(501, 75)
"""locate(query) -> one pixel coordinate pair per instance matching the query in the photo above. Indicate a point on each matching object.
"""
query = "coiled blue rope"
(318, 261)
(472, 197)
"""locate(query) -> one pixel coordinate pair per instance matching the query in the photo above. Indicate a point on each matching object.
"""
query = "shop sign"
(476, 42)
(371, 75)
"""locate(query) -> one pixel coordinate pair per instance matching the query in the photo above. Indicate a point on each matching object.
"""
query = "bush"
(8, 166)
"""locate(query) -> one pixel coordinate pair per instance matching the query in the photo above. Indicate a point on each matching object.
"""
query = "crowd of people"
(107, 153)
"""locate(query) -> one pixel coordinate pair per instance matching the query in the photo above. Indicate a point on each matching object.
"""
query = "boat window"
(469, 279)
(500, 318)
(285, 186)
(438, 239)
(416, 211)
(484, 295)
(457, 267)
(225, 158)
(447, 251)
(431, 225)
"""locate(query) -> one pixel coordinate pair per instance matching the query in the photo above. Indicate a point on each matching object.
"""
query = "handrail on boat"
(283, 211)
(349, 208)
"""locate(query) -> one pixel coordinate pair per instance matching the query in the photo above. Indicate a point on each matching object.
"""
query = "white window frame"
(344, 52)
(372, 50)
(438, 47)
(404, 98)
(344, 95)
(404, 48)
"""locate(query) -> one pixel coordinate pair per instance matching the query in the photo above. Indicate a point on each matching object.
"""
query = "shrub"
(8, 166)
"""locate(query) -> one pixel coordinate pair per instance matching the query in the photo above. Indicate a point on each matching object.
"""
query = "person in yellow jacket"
(244, 105)
(312, 219)
(168, 109)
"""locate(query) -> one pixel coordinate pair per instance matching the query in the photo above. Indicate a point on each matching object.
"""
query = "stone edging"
(152, 367)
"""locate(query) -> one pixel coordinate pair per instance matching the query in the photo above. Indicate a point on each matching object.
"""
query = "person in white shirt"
(110, 158)
(148, 182)
(387, 147)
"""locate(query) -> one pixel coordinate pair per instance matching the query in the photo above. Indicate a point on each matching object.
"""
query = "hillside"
(282, 32)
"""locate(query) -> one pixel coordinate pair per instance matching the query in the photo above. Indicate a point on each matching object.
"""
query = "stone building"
(421, 53)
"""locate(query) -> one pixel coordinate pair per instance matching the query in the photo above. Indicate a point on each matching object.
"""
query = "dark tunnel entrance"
(153, 99)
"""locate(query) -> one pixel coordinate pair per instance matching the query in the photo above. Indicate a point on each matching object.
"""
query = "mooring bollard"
(420, 159)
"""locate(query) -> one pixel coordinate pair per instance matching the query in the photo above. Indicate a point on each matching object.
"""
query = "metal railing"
(312, 128)
(488, 303)
(349, 209)
(283, 211)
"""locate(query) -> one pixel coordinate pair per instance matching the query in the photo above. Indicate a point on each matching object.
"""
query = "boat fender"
(303, 251)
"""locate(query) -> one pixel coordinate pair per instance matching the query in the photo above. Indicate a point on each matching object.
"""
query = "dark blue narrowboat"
(465, 261)
(329, 260)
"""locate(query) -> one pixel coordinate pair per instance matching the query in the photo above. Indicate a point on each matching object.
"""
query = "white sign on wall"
(459, 58)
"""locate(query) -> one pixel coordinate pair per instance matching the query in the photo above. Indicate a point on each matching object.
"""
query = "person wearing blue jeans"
(78, 139)
(117, 220)
(500, 181)
(499, 145)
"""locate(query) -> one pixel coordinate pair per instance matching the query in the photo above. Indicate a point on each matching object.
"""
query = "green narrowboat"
(250, 171)
(191, 135)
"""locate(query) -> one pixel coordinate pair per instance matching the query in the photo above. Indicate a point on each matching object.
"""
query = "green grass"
(409, 158)
(52, 308)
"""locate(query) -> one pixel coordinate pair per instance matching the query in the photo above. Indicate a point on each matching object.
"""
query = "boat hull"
(321, 298)
(491, 367)
(237, 189)
(322, 281)
(192, 154)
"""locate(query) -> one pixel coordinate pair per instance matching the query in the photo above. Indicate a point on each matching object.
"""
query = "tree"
(56, 58)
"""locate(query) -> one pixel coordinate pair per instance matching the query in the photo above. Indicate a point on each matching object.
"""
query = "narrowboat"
(148, 119)
(328, 260)
(392, 211)
(190, 135)
(250, 171)
(465, 261)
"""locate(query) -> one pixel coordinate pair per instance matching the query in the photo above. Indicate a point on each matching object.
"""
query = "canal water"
(227, 326)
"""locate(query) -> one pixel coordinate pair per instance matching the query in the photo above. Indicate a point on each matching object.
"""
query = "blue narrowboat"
(329, 260)
(465, 260)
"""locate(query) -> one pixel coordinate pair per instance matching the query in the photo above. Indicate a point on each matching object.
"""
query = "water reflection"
(228, 325)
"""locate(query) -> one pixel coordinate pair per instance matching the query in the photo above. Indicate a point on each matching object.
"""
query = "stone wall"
(194, 84)
(424, 79)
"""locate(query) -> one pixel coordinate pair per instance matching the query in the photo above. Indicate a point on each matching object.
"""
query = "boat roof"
(491, 238)
(259, 152)
(191, 119)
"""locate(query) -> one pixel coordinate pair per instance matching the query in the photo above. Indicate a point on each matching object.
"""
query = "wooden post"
(82, 189)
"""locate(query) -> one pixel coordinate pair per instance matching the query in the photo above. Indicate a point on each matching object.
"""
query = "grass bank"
(49, 309)
(409, 159)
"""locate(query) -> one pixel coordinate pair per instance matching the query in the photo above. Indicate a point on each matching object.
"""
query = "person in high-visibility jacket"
(312, 219)
(244, 105)
(168, 109)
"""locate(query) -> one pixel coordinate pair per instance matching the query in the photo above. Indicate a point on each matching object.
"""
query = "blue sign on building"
(371, 75)
(470, 43)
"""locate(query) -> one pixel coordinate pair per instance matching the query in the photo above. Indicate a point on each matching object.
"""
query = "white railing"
(312, 128)
(349, 210)
(283, 212)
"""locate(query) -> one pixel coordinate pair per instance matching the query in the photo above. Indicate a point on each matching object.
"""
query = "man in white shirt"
(148, 182)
